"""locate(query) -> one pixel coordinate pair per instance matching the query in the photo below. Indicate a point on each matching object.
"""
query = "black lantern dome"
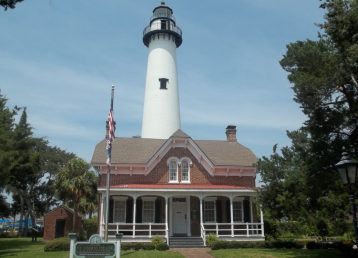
(162, 23)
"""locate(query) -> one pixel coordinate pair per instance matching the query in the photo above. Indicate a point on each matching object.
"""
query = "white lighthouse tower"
(161, 114)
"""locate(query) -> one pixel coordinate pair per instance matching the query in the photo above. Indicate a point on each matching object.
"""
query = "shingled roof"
(140, 150)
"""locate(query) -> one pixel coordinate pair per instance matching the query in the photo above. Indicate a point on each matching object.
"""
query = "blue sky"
(59, 58)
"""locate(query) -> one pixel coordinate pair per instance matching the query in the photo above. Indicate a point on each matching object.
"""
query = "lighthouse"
(161, 112)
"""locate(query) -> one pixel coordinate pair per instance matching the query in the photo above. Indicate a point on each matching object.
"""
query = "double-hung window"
(173, 171)
(148, 207)
(119, 209)
(210, 210)
(238, 211)
(185, 171)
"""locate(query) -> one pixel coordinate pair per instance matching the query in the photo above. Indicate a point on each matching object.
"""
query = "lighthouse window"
(163, 83)
(163, 25)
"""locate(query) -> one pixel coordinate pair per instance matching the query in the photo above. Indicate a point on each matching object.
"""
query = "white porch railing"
(140, 230)
(232, 230)
(203, 234)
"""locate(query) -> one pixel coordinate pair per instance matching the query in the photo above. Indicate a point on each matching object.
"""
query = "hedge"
(58, 244)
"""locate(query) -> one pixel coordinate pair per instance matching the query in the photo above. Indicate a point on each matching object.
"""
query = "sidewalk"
(193, 252)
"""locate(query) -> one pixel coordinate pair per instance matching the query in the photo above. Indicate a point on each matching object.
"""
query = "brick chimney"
(231, 133)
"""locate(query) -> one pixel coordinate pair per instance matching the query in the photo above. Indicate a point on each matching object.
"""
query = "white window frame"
(148, 200)
(169, 162)
(182, 161)
(207, 200)
(241, 207)
(116, 201)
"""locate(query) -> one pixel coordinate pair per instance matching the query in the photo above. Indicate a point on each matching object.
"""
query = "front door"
(179, 216)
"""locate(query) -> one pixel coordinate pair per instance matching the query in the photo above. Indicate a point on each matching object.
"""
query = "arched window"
(185, 171)
(173, 170)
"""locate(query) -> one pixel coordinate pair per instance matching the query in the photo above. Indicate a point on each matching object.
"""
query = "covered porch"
(140, 213)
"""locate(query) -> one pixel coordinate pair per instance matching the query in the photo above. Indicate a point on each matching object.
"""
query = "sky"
(60, 58)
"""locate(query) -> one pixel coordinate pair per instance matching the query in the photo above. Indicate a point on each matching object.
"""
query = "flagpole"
(108, 174)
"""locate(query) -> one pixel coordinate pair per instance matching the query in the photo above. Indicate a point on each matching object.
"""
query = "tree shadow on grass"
(8, 253)
(16, 243)
(304, 253)
(127, 252)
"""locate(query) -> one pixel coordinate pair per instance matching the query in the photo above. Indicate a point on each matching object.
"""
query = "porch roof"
(181, 187)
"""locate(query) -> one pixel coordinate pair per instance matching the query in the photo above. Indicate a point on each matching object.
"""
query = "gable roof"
(179, 134)
(127, 150)
(141, 150)
(227, 153)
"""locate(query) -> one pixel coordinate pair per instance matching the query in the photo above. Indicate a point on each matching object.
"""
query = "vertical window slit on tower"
(163, 83)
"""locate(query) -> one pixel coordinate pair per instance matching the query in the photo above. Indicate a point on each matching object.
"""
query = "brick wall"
(198, 175)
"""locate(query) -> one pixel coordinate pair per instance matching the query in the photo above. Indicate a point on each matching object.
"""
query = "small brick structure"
(58, 223)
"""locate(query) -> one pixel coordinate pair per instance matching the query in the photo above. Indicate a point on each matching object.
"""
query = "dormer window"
(185, 170)
(173, 170)
(179, 170)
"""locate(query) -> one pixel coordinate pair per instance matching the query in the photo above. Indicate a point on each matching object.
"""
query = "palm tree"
(75, 182)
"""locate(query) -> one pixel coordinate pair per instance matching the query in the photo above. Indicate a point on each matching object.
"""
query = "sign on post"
(95, 248)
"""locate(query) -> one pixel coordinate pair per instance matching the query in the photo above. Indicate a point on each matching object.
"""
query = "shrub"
(149, 246)
(247, 244)
(323, 245)
(157, 240)
(211, 239)
(58, 244)
(126, 246)
(162, 247)
(289, 244)
(90, 226)
(138, 246)
(220, 244)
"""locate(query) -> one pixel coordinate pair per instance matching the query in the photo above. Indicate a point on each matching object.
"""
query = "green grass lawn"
(24, 248)
(275, 253)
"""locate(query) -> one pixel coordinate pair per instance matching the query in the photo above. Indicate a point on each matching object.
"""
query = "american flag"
(110, 136)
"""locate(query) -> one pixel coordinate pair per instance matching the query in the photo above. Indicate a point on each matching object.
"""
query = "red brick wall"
(57, 214)
(198, 175)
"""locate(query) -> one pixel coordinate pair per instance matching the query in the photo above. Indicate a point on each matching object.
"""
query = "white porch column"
(262, 222)
(134, 214)
(101, 218)
(201, 211)
(251, 211)
(166, 220)
(232, 215)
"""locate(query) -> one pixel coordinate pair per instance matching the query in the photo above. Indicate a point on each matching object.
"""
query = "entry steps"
(186, 242)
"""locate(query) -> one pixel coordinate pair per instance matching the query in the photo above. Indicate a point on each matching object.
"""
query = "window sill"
(185, 182)
(173, 182)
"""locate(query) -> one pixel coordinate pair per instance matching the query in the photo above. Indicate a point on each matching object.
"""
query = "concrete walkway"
(193, 252)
